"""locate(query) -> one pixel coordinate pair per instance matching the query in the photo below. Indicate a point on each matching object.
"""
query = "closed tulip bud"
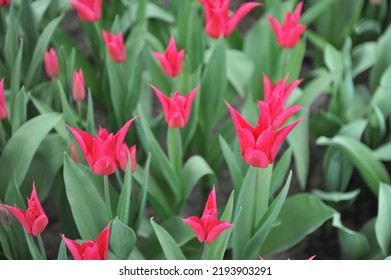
(51, 63)
(171, 60)
(88, 10)
(78, 91)
(115, 46)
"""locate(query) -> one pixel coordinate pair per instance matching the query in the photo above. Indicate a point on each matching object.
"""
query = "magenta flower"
(208, 227)
(51, 63)
(90, 250)
(124, 157)
(88, 10)
(3, 104)
(177, 109)
(290, 32)
(34, 219)
(218, 20)
(171, 60)
(102, 152)
(78, 91)
(115, 46)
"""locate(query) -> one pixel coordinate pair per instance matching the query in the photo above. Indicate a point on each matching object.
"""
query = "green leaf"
(337, 196)
(32, 247)
(122, 240)
(232, 163)
(69, 115)
(383, 153)
(381, 97)
(363, 57)
(19, 110)
(383, 59)
(62, 251)
(383, 222)
(280, 171)
(170, 247)
(317, 86)
(144, 193)
(18, 153)
(300, 215)
(315, 10)
(87, 205)
(11, 38)
(123, 207)
(371, 169)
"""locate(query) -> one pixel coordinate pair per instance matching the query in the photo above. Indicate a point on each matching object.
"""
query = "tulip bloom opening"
(115, 46)
(88, 10)
(208, 227)
(289, 33)
(3, 105)
(90, 250)
(34, 219)
(177, 109)
(171, 60)
(51, 63)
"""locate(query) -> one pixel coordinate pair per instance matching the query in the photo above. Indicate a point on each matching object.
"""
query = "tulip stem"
(262, 192)
(205, 253)
(284, 62)
(79, 110)
(107, 195)
(41, 247)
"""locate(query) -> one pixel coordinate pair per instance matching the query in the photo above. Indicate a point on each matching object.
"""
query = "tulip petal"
(286, 114)
(120, 136)
(238, 120)
(211, 204)
(84, 139)
(280, 136)
(164, 63)
(20, 215)
(214, 233)
(104, 166)
(102, 241)
(240, 13)
(194, 223)
(73, 247)
(215, 25)
(279, 33)
(39, 225)
(256, 158)
(246, 139)
(85, 13)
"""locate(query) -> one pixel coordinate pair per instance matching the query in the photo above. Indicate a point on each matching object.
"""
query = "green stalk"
(107, 195)
(263, 178)
(41, 247)
(284, 62)
(2, 135)
(205, 253)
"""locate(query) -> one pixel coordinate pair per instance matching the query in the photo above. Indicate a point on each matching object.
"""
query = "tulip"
(218, 21)
(259, 145)
(276, 96)
(78, 91)
(88, 10)
(4, 3)
(208, 227)
(90, 250)
(34, 219)
(171, 60)
(51, 63)
(177, 109)
(290, 32)
(3, 105)
(124, 157)
(115, 46)
(102, 152)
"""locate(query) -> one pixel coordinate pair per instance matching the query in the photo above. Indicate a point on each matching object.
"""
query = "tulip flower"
(259, 145)
(218, 20)
(171, 60)
(4, 3)
(177, 109)
(102, 152)
(290, 32)
(34, 219)
(115, 46)
(88, 10)
(78, 91)
(90, 250)
(208, 227)
(3, 105)
(124, 157)
(276, 96)
(51, 63)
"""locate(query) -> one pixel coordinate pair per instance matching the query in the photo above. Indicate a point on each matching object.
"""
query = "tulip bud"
(78, 91)
(51, 63)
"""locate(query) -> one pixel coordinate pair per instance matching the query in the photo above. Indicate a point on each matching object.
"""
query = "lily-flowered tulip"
(218, 20)
(3, 105)
(171, 60)
(208, 227)
(259, 145)
(78, 91)
(51, 63)
(177, 109)
(276, 95)
(102, 152)
(4, 3)
(90, 250)
(88, 10)
(34, 219)
(290, 32)
(115, 46)
(124, 157)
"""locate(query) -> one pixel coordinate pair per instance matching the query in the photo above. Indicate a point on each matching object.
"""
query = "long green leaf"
(122, 240)
(383, 221)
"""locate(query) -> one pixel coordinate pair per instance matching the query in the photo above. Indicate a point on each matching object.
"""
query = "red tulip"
(208, 227)
(4, 3)
(115, 46)
(88, 10)
(90, 250)
(177, 109)
(276, 96)
(78, 91)
(102, 152)
(290, 32)
(259, 145)
(218, 20)
(3, 105)
(171, 60)
(51, 63)
(34, 219)
(124, 157)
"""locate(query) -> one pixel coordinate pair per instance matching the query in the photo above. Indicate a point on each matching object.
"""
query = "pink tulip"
(34, 219)
(171, 60)
(218, 20)
(177, 109)
(88, 10)
(4, 3)
(276, 96)
(90, 250)
(124, 157)
(3, 104)
(78, 91)
(115, 46)
(51, 63)
(259, 145)
(208, 227)
(102, 152)
(290, 32)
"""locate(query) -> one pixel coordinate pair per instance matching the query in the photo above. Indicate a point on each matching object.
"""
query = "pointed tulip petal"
(194, 223)
(214, 233)
(243, 10)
